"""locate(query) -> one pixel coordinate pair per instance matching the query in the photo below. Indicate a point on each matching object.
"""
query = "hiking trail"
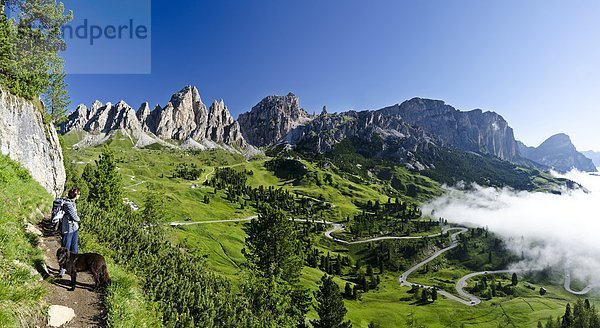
(86, 303)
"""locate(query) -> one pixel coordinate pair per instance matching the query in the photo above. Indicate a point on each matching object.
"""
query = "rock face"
(477, 131)
(184, 118)
(222, 127)
(276, 119)
(379, 135)
(559, 153)
(25, 138)
(271, 119)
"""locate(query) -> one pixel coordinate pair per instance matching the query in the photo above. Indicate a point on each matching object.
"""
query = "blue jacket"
(70, 222)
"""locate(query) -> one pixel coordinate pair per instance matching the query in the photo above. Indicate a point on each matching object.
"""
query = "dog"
(90, 262)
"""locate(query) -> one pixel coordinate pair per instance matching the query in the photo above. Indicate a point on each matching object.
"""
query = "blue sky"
(537, 63)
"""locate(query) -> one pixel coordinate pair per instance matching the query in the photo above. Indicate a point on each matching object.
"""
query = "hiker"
(69, 226)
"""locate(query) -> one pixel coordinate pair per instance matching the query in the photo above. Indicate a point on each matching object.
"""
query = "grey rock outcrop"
(77, 120)
(25, 138)
(559, 153)
(271, 119)
(476, 130)
(222, 127)
(143, 115)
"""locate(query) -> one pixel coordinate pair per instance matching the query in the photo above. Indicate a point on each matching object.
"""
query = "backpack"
(57, 212)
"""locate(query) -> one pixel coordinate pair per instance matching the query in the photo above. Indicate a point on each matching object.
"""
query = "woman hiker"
(69, 229)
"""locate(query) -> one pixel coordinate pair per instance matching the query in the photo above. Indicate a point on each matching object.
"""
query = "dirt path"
(86, 303)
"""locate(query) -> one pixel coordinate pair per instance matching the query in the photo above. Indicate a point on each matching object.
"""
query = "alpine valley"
(196, 210)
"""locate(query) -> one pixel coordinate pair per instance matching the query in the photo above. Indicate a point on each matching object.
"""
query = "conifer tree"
(105, 185)
(272, 245)
(330, 307)
(57, 98)
(154, 210)
(348, 290)
(567, 319)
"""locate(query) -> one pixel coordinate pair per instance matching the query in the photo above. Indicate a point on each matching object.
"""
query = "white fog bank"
(549, 229)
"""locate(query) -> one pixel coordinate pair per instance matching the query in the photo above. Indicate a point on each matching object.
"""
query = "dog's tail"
(104, 275)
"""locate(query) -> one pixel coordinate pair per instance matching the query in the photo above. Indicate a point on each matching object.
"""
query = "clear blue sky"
(537, 63)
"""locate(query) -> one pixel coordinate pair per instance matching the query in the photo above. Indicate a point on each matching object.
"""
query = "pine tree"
(424, 296)
(434, 294)
(272, 245)
(37, 43)
(7, 52)
(154, 210)
(57, 98)
(515, 280)
(330, 307)
(348, 290)
(105, 185)
(567, 319)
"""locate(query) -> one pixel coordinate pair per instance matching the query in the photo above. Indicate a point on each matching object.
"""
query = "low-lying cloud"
(548, 229)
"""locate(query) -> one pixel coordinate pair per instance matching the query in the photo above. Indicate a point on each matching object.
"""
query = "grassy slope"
(223, 242)
(20, 291)
(124, 300)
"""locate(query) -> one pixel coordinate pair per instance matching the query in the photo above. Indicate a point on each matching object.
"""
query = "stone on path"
(58, 315)
(32, 229)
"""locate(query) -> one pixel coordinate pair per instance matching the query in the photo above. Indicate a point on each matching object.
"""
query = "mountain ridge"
(184, 120)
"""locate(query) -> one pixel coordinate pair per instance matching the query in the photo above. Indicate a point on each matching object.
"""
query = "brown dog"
(90, 262)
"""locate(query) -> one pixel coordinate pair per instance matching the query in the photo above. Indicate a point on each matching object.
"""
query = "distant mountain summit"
(183, 122)
(593, 155)
(559, 153)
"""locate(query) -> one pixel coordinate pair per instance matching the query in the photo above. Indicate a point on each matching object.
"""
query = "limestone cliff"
(25, 138)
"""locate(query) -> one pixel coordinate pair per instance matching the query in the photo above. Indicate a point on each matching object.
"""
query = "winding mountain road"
(176, 224)
(465, 297)
(567, 284)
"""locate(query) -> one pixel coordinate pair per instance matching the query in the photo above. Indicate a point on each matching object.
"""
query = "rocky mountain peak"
(94, 109)
(143, 111)
(559, 153)
(272, 118)
(143, 115)
(188, 97)
(219, 114)
(558, 142)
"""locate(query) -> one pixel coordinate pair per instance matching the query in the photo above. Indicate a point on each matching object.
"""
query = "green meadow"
(390, 305)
